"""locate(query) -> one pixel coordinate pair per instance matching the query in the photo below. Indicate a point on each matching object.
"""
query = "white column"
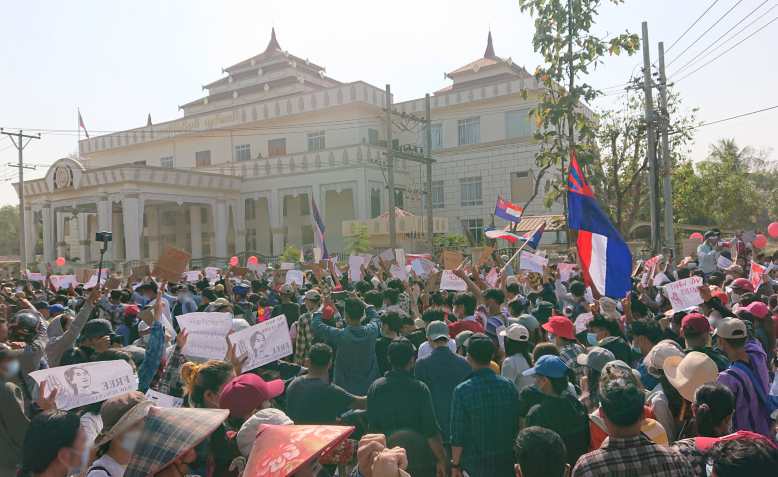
(154, 233)
(29, 233)
(48, 233)
(105, 222)
(239, 220)
(274, 212)
(60, 232)
(361, 194)
(196, 230)
(219, 222)
(180, 221)
(132, 221)
(83, 237)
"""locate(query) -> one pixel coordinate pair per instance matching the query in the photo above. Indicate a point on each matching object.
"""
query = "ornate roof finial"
(489, 53)
(273, 43)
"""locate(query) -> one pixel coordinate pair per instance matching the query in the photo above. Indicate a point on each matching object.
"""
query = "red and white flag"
(756, 274)
(81, 124)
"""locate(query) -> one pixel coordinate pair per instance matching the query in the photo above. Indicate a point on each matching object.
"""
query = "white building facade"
(238, 173)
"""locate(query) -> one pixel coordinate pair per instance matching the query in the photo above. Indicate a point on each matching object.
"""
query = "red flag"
(81, 124)
(756, 274)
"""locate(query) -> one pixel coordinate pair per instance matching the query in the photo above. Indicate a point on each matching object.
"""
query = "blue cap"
(56, 309)
(549, 366)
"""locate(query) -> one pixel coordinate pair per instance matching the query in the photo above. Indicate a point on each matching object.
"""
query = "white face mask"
(11, 369)
(84, 461)
(130, 440)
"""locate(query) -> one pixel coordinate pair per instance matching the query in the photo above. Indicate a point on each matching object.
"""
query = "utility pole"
(651, 141)
(390, 169)
(428, 150)
(20, 145)
(667, 183)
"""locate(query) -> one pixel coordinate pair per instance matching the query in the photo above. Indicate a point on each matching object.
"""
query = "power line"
(706, 31)
(725, 51)
(727, 32)
(730, 118)
(692, 25)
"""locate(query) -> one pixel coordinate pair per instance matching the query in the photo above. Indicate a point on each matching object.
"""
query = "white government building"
(236, 173)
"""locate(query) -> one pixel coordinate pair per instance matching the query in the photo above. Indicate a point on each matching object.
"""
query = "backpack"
(769, 401)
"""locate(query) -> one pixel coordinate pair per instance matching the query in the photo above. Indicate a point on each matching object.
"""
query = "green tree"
(9, 230)
(359, 242)
(290, 254)
(570, 51)
(450, 241)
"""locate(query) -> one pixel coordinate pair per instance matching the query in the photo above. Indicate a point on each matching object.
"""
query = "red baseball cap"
(696, 323)
(245, 393)
(720, 294)
(742, 284)
(758, 309)
(560, 326)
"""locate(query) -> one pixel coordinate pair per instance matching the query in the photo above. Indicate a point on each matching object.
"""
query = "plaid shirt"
(569, 353)
(696, 457)
(170, 382)
(304, 339)
(632, 456)
(484, 422)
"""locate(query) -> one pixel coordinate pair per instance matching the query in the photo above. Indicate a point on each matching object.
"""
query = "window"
(243, 152)
(437, 194)
(251, 239)
(316, 141)
(399, 196)
(372, 136)
(470, 191)
(202, 158)
(307, 234)
(305, 206)
(375, 203)
(437, 136)
(474, 228)
(522, 186)
(139, 163)
(250, 209)
(469, 131)
(276, 147)
(167, 161)
(204, 214)
(518, 124)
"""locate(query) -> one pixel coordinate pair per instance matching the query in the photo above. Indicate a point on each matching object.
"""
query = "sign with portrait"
(263, 343)
(87, 383)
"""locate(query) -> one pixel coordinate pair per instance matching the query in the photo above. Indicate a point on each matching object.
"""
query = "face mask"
(12, 369)
(130, 440)
(591, 338)
(83, 461)
(551, 337)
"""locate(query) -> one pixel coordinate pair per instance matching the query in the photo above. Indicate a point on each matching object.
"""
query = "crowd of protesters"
(530, 375)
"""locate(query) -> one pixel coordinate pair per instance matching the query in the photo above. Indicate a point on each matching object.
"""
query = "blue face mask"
(591, 338)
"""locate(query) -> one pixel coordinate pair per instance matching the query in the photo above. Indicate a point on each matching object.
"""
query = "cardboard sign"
(163, 400)
(566, 270)
(60, 282)
(206, 334)
(451, 259)
(684, 293)
(723, 262)
(449, 281)
(294, 276)
(689, 247)
(84, 274)
(87, 383)
(113, 283)
(263, 343)
(532, 262)
(756, 274)
(398, 271)
(482, 256)
(172, 264)
(355, 267)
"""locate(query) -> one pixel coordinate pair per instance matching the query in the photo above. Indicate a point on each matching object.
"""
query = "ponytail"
(199, 378)
(712, 404)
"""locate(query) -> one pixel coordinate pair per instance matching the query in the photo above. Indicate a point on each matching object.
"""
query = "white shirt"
(92, 425)
(107, 462)
(425, 349)
(512, 367)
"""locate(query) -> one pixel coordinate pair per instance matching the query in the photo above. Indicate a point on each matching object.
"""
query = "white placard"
(399, 254)
(723, 262)
(287, 266)
(589, 295)
(660, 279)
(566, 270)
(211, 273)
(87, 383)
(163, 400)
(684, 293)
(492, 277)
(582, 322)
(449, 281)
(192, 276)
(93, 280)
(532, 262)
(206, 334)
(35, 277)
(64, 281)
(355, 267)
(387, 255)
(423, 267)
(294, 276)
(398, 271)
(263, 343)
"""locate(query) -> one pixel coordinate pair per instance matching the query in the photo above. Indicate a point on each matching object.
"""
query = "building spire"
(489, 53)
(273, 43)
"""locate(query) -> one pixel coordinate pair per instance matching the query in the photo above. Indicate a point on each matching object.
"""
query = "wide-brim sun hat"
(689, 373)
(132, 409)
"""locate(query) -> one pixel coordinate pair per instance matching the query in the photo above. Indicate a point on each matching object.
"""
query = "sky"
(119, 61)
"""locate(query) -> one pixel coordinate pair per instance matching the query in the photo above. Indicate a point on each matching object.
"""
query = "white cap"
(516, 332)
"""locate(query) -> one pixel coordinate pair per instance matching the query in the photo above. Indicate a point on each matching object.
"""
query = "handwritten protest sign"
(172, 264)
(422, 267)
(35, 277)
(263, 343)
(566, 270)
(532, 262)
(449, 281)
(355, 267)
(723, 262)
(211, 273)
(684, 293)
(294, 276)
(87, 383)
(163, 400)
(398, 271)
(206, 334)
(191, 276)
(451, 259)
(62, 281)
(482, 255)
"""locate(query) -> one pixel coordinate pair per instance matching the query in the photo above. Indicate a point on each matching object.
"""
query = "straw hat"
(120, 414)
(687, 374)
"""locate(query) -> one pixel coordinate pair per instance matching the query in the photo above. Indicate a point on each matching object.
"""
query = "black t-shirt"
(381, 348)
(417, 337)
(290, 310)
(566, 416)
(313, 401)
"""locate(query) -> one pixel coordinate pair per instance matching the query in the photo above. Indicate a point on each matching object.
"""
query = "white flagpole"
(78, 126)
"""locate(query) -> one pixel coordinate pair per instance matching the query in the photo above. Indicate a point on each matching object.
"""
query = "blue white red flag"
(605, 258)
(318, 229)
(507, 210)
(504, 234)
(533, 237)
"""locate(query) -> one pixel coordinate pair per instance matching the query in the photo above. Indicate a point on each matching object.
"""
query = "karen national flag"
(504, 234)
(318, 225)
(533, 237)
(507, 210)
(606, 261)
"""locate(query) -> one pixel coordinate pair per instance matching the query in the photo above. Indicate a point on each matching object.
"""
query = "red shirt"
(464, 325)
